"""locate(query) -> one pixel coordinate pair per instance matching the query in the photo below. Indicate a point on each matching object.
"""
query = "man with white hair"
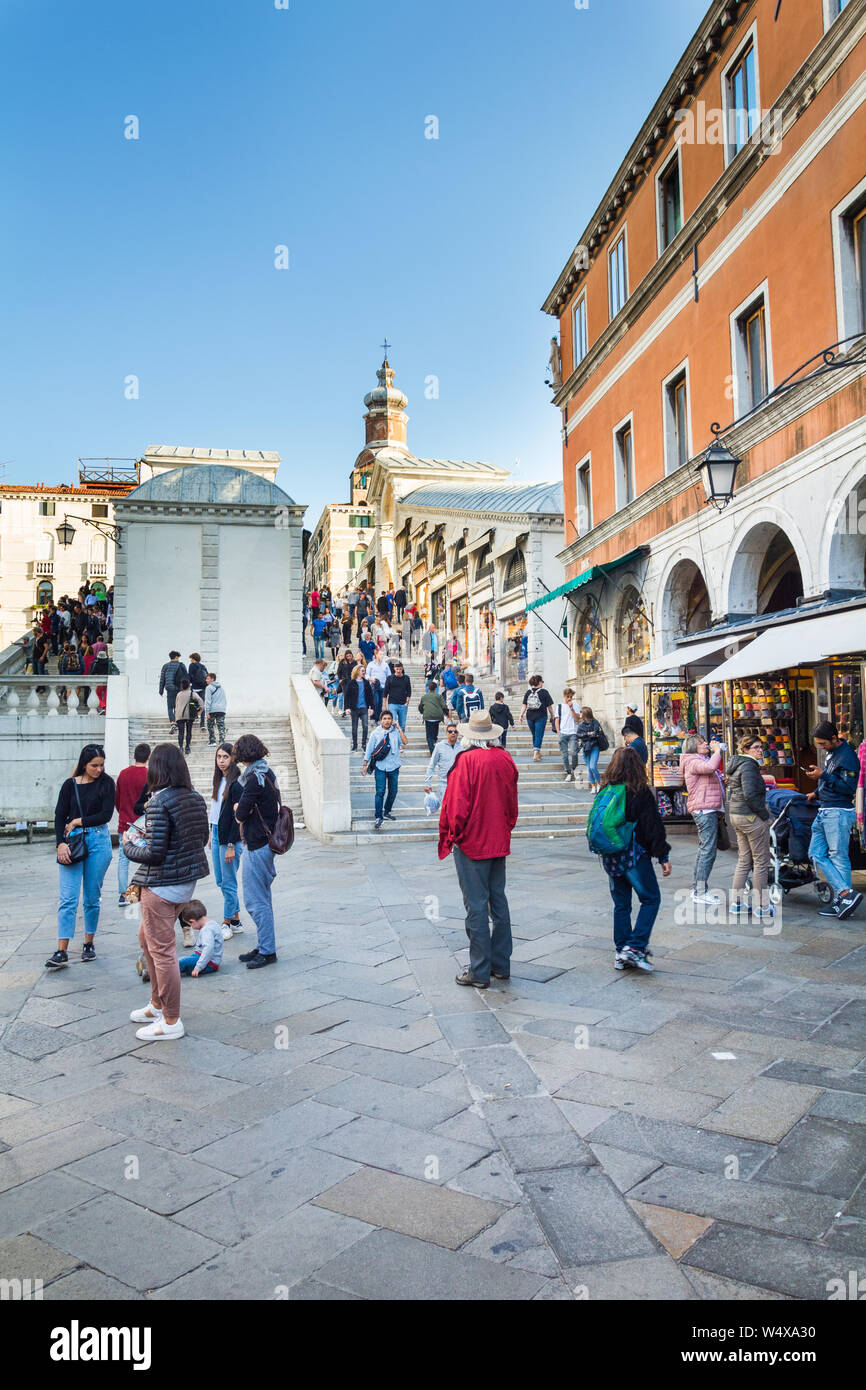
(479, 812)
(441, 762)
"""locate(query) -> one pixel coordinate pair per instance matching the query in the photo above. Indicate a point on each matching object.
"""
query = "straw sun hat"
(480, 728)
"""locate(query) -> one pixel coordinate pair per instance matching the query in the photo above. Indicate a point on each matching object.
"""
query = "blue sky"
(302, 127)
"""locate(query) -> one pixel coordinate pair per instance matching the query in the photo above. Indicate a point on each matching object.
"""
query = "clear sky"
(302, 127)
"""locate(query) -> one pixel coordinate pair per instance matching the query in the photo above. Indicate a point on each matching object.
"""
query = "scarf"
(258, 769)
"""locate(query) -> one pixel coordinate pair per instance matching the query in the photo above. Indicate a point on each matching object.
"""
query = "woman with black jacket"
(589, 734)
(84, 807)
(632, 870)
(256, 813)
(359, 700)
(226, 844)
(747, 808)
(171, 860)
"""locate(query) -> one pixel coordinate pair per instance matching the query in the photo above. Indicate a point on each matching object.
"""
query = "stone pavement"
(352, 1125)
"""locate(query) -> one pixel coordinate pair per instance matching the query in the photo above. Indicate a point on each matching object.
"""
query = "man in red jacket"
(479, 812)
(130, 785)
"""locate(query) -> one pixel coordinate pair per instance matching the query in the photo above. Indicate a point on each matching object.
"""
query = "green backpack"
(607, 830)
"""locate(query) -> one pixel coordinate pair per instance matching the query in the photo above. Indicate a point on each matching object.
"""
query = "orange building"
(720, 285)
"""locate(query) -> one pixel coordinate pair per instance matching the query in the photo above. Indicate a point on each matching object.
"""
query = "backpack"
(471, 700)
(533, 700)
(607, 830)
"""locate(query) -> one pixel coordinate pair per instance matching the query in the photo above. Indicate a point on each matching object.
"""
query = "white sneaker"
(227, 933)
(707, 897)
(237, 930)
(568, 777)
(160, 1031)
(146, 1015)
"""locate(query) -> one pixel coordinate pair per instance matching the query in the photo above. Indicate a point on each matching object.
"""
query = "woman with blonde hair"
(359, 700)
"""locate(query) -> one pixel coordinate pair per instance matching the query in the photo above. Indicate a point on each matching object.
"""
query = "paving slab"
(584, 1119)
(87, 1285)
(268, 1265)
(840, 1105)
(267, 1141)
(415, 1208)
(126, 1242)
(171, 1126)
(819, 1155)
(624, 1169)
(681, 1145)
(798, 1268)
(781, 1210)
(499, 1071)
(28, 1257)
(527, 1153)
(403, 1069)
(658, 1102)
(584, 1216)
(388, 1265)
(652, 1277)
(153, 1177)
(51, 1151)
(677, 1231)
(830, 1078)
(399, 1149)
(713, 1288)
(249, 1205)
(383, 1100)
(492, 1178)
(764, 1109)
(846, 1028)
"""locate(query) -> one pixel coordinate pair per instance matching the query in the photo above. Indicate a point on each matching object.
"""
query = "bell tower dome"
(386, 417)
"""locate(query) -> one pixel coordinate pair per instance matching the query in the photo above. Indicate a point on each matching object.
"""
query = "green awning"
(594, 572)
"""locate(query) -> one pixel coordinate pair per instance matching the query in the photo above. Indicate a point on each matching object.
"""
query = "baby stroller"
(790, 833)
(432, 670)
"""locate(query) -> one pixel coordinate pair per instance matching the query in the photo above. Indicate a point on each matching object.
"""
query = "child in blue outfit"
(208, 949)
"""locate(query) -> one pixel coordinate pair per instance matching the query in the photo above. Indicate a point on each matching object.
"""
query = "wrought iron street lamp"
(65, 533)
(718, 472)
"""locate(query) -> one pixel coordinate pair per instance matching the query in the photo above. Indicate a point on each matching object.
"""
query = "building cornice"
(543, 520)
(822, 63)
(740, 439)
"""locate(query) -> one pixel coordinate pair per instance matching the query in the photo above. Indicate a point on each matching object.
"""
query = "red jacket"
(479, 808)
(130, 785)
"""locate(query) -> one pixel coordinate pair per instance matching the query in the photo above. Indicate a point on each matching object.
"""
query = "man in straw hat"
(479, 812)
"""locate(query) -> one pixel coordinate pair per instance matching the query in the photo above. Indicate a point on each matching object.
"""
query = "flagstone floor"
(350, 1124)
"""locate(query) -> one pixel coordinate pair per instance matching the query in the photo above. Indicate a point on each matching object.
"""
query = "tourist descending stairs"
(276, 735)
(548, 806)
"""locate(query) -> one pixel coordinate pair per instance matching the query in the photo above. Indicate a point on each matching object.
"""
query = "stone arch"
(768, 566)
(685, 604)
(842, 562)
(632, 627)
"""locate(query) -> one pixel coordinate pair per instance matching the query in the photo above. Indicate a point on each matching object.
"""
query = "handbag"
(723, 838)
(282, 837)
(601, 741)
(76, 843)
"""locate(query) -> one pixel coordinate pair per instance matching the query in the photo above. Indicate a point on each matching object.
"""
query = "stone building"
(719, 289)
(35, 568)
(465, 541)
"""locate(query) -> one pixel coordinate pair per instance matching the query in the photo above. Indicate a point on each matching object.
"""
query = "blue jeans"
(84, 878)
(257, 874)
(399, 713)
(377, 701)
(707, 823)
(226, 872)
(568, 749)
(188, 964)
(828, 847)
(482, 883)
(590, 756)
(642, 879)
(170, 700)
(123, 870)
(319, 646)
(385, 780)
(537, 726)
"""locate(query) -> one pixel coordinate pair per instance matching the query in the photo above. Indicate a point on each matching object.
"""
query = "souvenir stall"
(671, 712)
(775, 709)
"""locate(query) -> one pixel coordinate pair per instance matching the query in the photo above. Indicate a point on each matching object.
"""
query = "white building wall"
(163, 605)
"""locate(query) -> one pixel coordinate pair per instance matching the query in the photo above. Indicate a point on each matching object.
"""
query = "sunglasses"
(95, 750)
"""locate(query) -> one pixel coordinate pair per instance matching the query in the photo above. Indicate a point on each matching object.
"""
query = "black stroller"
(790, 833)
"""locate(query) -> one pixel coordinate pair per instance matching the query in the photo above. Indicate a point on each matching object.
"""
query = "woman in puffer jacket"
(700, 763)
(172, 859)
(747, 807)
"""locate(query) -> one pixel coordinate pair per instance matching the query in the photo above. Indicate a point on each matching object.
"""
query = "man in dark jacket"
(256, 813)
(632, 721)
(198, 679)
(170, 677)
(399, 604)
(383, 608)
(397, 693)
(834, 823)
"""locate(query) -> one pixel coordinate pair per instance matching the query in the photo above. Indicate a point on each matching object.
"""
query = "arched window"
(590, 642)
(633, 630)
(483, 563)
(44, 592)
(515, 571)
(461, 559)
(438, 554)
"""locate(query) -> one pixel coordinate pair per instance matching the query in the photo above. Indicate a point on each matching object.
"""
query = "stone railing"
(322, 760)
(49, 696)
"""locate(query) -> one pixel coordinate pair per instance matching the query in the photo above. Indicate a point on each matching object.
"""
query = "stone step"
(394, 835)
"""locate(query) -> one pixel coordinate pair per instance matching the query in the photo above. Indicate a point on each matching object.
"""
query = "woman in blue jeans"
(84, 807)
(225, 838)
(588, 734)
(632, 870)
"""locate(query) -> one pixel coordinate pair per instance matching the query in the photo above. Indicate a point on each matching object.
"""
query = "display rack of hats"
(763, 709)
(848, 704)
